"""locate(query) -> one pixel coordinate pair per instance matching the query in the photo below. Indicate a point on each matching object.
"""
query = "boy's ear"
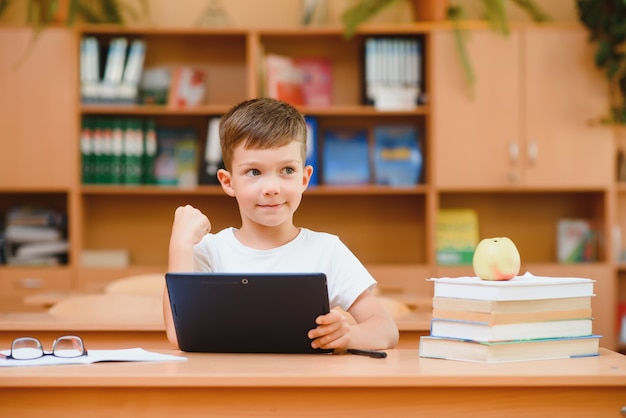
(225, 180)
(306, 178)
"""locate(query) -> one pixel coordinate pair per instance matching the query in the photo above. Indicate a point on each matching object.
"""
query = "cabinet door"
(37, 108)
(476, 136)
(563, 93)
(18, 282)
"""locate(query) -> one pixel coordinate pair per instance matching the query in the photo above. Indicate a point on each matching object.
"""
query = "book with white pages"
(524, 287)
(482, 331)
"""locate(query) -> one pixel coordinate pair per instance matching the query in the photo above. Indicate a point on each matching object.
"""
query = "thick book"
(188, 88)
(508, 351)
(511, 306)
(525, 287)
(345, 159)
(129, 87)
(481, 331)
(316, 84)
(398, 156)
(284, 79)
(311, 149)
(497, 318)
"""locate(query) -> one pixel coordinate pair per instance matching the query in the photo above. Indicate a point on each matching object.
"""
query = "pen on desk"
(369, 353)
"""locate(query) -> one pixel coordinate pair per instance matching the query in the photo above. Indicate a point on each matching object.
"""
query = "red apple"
(496, 259)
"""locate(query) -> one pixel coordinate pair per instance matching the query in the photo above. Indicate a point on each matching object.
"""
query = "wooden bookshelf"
(519, 151)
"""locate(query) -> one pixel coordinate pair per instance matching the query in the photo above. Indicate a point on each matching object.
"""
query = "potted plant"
(43, 13)
(605, 21)
(494, 12)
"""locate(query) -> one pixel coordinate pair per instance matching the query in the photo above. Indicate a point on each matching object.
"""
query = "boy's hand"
(190, 225)
(332, 332)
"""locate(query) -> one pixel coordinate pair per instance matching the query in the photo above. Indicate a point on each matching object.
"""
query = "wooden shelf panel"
(217, 190)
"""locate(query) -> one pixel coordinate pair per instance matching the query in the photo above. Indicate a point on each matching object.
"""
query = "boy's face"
(267, 183)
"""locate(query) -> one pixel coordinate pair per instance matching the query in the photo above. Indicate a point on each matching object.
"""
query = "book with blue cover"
(311, 149)
(397, 155)
(346, 157)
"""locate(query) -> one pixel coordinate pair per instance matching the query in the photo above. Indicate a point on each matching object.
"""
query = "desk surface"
(400, 368)
(318, 385)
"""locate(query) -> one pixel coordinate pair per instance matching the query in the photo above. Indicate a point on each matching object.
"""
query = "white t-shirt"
(309, 252)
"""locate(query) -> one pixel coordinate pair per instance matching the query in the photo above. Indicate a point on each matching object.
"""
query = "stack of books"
(526, 318)
(35, 236)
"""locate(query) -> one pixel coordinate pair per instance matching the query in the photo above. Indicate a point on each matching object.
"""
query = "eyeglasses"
(29, 348)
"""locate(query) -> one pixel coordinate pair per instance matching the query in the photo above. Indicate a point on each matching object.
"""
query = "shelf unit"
(466, 143)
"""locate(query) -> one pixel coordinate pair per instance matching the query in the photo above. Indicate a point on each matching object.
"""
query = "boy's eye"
(253, 172)
(288, 170)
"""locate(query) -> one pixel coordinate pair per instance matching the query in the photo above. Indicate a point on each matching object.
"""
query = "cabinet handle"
(513, 152)
(30, 283)
(533, 152)
(514, 176)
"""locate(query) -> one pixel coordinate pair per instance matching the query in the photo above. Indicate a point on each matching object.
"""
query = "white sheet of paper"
(94, 356)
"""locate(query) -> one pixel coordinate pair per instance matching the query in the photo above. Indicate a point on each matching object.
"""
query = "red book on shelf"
(284, 79)
(316, 80)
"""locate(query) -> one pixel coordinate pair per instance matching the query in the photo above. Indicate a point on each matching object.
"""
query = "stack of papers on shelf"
(93, 356)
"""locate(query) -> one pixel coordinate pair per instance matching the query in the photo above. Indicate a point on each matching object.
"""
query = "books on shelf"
(123, 67)
(311, 149)
(188, 87)
(508, 351)
(398, 156)
(525, 287)
(577, 241)
(456, 236)
(117, 150)
(346, 157)
(316, 79)
(298, 81)
(212, 160)
(176, 163)
(154, 86)
(392, 73)
(129, 85)
(283, 79)
(526, 318)
(34, 236)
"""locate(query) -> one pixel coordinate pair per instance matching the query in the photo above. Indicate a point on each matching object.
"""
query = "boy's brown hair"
(261, 123)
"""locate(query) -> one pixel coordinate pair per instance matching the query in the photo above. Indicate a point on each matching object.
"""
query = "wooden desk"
(317, 386)
(149, 336)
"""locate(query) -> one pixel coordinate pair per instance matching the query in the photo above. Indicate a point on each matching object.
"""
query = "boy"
(264, 149)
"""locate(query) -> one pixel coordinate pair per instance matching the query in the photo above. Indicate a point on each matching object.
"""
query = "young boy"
(264, 149)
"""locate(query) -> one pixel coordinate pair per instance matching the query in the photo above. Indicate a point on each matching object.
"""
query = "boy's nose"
(271, 185)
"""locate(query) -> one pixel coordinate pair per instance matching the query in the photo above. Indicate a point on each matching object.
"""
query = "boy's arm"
(189, 226)
(374, 329)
